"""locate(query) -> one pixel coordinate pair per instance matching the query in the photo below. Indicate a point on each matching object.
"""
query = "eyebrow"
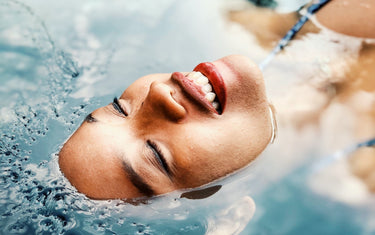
(137, 180)
(90, 119)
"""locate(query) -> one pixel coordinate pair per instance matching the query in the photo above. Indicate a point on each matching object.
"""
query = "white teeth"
(194, 75)
(210, 96)
(207, 88)
(202, 80)
(198, 78)
(215, 104)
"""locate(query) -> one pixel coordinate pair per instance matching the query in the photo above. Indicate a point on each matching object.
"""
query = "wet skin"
(157, 138)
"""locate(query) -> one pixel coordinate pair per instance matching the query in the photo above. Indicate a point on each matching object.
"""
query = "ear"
(201, 193)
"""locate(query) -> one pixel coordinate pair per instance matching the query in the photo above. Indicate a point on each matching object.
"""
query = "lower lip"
(210, 71)
(193, 90)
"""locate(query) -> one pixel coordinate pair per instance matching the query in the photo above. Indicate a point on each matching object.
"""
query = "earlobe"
(273, 122)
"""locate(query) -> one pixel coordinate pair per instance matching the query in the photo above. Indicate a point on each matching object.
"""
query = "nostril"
(162, 100)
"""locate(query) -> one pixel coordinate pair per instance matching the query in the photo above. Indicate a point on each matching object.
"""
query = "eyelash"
(159, 156)
(116, 105)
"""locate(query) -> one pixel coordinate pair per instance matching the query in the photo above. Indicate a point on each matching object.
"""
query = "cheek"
(209, 152)
(247, 97)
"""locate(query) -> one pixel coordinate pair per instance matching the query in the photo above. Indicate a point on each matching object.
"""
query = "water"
(59, 61)
(52, 77)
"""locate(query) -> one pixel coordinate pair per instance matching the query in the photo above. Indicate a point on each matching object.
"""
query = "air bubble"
(17, 228)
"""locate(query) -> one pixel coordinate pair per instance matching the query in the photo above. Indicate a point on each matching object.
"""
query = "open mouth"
(205, 85)
(209, 71)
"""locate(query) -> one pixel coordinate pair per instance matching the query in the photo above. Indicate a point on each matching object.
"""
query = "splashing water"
(47, 68)
(34, 197)
(31, 200)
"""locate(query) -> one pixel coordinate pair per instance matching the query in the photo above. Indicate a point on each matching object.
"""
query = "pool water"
(61, 60)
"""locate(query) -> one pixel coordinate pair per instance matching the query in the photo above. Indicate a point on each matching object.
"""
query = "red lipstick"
(210, 71)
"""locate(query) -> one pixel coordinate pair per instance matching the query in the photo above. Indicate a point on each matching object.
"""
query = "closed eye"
(117, 106)
(159, 156)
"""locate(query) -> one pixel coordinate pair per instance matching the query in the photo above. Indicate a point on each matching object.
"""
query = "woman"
(172, 131)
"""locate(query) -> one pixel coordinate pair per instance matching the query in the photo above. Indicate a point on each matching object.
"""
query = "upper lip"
(216, 80)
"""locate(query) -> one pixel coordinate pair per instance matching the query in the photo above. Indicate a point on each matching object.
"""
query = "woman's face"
(165, 133)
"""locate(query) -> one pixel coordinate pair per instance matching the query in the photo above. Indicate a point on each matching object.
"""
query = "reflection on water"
(61, 60)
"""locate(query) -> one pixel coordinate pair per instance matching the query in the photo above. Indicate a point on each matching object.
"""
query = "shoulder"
(350, 17)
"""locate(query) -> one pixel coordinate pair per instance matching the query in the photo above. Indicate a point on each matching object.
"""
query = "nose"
(160, 103)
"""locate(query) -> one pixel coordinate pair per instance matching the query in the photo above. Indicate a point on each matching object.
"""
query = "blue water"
(60, 60)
